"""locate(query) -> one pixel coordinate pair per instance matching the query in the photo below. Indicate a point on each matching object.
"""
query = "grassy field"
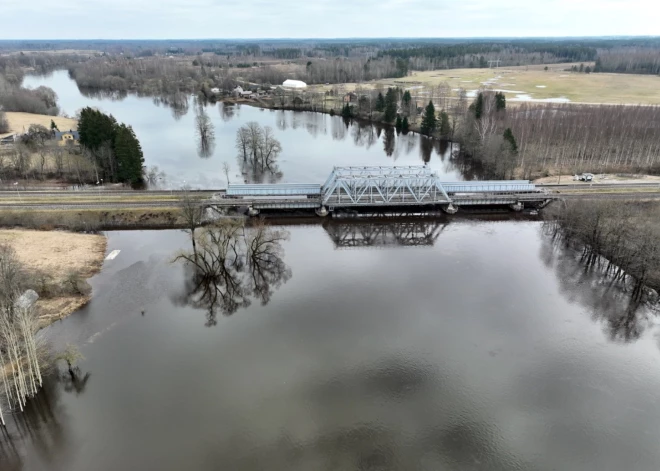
(56, 253)
(535, 83)
(20, 122)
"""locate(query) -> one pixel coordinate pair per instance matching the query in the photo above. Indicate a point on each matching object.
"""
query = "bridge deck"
(383, 187)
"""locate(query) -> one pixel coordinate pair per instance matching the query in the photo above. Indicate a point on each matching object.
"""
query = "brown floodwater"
(408, 345)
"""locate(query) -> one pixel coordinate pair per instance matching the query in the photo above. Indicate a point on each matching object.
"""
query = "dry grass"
(577, 87)
(20, 122)
(57, 253)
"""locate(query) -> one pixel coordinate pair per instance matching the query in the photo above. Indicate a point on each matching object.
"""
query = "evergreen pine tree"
(53, 126)
(347, 111)
(390, 105)
(445, 127)
(405, 126)
(399, 123)
(429, 122)
(508, 137)
(478, 106)
(128, 152)
(380, 102)
(500, 101)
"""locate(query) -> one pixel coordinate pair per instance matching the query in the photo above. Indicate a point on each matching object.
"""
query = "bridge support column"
(322, 211)
(517, 207)
(451, 209)
(252, 211)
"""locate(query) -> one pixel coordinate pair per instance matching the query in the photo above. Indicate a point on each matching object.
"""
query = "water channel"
(458, 344)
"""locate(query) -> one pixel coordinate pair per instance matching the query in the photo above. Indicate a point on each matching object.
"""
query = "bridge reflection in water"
(379, 233)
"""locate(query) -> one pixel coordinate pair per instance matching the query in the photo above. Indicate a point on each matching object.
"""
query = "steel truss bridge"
(383, 187)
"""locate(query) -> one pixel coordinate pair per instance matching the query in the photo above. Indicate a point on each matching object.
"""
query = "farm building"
(294, 84)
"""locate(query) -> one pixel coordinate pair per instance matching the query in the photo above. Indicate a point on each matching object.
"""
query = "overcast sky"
(163, 19)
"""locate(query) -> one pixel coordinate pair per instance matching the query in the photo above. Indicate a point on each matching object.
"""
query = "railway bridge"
(391, 188)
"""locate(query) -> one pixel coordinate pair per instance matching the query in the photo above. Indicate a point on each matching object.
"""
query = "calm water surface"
(312, 143)
(473, 345)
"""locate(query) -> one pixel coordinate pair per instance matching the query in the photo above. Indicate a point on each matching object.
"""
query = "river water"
(312, 143)
(458, 344)
(463, 345)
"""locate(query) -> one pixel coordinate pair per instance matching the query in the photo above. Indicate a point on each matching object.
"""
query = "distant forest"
(108, 65)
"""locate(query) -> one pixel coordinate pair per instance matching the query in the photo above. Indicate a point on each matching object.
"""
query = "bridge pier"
(451, 209)
(517, 207)
(252, 211)
(322, 211)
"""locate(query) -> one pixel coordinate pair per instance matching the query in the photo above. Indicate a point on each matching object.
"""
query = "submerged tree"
(232, 264)
(258, 151)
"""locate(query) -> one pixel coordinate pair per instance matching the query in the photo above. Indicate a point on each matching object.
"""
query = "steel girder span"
(365, 186)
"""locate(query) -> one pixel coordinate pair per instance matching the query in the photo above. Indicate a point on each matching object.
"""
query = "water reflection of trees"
(379, 233)
(233, 264)
(40, 428)
(608, 299)
(205, 132)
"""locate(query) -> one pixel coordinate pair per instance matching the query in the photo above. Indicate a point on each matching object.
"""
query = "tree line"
(112, 147)
(621, 239)
(631, 60)
(13, 97)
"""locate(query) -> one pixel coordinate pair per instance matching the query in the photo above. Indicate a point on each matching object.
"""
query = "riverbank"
(55, 260)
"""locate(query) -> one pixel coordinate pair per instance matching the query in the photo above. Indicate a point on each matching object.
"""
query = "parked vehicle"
(585, 177)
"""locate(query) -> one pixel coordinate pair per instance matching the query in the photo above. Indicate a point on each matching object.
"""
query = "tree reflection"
(233, 264)
(389, 141)
(609, 299)
(227, 111)
(205, 132)
(39, 428)
(74, 381)
(425, 148)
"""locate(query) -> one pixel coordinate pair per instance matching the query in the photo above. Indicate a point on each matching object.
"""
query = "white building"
(294, 84)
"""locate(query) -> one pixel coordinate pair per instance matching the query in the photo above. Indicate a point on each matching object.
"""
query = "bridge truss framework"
(359, 186)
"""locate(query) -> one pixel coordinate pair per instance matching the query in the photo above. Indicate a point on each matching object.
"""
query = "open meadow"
(534, 83)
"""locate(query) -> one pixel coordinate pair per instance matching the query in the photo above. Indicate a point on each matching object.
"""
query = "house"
(350, 97)
(215, 91)
(67, 137)
(237, 91)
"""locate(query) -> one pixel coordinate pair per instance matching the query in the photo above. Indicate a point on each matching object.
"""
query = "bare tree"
(225, 169)
(192, 214)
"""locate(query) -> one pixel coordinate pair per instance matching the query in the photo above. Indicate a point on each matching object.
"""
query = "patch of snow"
(528, 97)
(467, 81)
(540, 86)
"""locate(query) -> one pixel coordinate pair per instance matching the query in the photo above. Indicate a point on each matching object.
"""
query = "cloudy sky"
(162, 19)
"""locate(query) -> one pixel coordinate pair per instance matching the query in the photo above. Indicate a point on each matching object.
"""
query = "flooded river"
(415, 345)
(312, 143)
(369, 345)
